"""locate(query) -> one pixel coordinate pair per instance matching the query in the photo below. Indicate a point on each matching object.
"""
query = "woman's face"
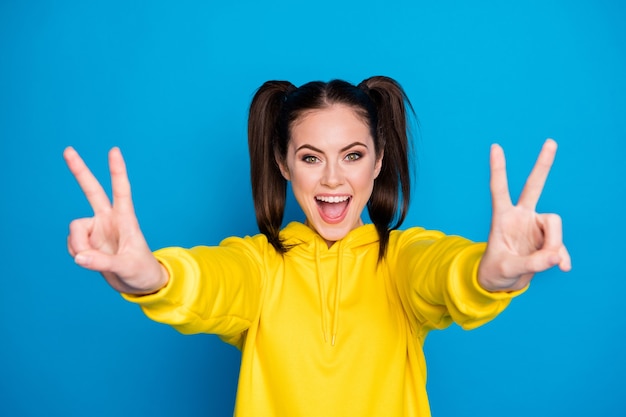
(331, 163)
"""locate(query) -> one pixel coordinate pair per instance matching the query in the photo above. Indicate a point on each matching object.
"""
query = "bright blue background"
(170, 82)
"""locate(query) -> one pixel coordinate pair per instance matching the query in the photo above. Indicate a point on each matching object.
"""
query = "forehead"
(335, 123)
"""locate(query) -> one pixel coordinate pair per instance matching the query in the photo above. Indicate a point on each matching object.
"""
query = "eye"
(310, 159)
(353, 156)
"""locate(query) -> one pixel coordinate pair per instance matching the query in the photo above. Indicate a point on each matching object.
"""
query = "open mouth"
(333, 209)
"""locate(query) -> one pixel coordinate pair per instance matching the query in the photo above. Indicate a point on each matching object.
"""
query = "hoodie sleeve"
(210, 289)
(437, 280)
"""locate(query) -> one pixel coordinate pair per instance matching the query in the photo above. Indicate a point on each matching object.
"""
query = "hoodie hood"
(298, 234)
(303, 241)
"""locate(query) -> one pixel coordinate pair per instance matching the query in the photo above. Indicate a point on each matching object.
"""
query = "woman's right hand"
(111, 241)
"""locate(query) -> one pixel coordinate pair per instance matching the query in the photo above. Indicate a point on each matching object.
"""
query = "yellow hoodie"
(326, 331)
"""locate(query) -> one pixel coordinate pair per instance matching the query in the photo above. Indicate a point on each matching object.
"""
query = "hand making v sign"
(521, 241)
(111, 241)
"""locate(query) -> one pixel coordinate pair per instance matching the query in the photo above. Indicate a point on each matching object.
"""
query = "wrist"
(164, 277)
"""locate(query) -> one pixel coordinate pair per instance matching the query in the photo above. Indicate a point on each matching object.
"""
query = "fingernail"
(81, 259)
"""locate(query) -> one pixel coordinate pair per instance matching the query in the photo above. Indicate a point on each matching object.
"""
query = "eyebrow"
(345, 148)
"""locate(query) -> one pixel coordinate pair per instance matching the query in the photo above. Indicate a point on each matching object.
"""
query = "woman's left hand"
(521, 241)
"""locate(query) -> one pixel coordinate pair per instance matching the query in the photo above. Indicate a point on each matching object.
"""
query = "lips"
(333, 208)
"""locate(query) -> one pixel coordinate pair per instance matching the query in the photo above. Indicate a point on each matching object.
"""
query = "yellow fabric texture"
(327, 331)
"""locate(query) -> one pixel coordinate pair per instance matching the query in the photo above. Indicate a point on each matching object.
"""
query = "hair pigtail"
(269, 188)
(389, 203)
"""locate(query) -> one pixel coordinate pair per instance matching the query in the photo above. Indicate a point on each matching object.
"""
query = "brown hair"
(380, 101)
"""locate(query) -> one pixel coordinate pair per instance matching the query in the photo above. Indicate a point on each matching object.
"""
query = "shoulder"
(417, 240)
(401, 238)
(255, 248)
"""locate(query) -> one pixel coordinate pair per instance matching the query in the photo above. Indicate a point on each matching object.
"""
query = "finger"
(87, 181)
(566, 260)
(552, 227)
(122, 198)
(78, 239)
(499, 184)
(71, 251)
(537, 178)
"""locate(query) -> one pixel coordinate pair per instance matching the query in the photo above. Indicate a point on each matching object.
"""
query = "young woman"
(330, 315)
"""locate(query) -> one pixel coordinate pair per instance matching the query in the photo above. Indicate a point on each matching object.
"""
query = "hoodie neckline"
(297, 233)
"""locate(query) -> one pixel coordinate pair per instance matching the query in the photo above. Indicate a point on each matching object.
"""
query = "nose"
(333, 175)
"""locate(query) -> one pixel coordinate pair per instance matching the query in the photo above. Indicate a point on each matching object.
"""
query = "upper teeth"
(333, 199)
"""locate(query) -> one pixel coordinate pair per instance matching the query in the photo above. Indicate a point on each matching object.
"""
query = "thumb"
(94, 260)
(539, 261)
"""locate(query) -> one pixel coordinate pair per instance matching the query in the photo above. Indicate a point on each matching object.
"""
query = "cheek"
(363, 185)
(367, 178)
(301, 184)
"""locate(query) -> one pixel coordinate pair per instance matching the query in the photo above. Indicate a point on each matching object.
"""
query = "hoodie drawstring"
(335, 323)
(322, 294)
(322, 291)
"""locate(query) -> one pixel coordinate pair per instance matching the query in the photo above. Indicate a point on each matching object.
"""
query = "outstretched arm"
(521, 242)
(111, 241)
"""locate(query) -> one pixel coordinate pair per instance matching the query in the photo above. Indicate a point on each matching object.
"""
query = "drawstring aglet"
(333, 339)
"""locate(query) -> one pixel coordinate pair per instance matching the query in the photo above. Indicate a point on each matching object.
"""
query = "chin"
(333, 233)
